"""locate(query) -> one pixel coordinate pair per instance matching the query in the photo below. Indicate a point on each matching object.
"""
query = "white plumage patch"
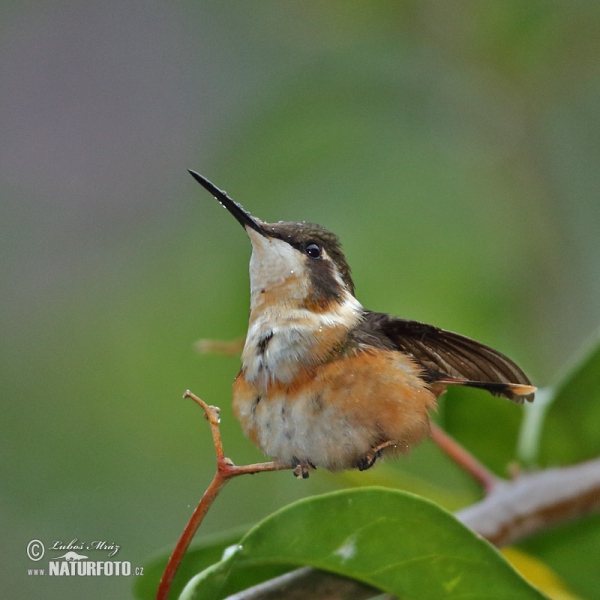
(286, 430)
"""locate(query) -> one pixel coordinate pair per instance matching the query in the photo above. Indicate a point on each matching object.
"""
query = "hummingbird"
(327, 383)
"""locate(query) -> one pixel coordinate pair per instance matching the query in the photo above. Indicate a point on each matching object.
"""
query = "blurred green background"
(453, 146)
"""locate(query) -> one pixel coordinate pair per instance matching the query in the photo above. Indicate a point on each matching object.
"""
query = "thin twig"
(186, 537)
(464, 459)
(226, 470)
(226, 347)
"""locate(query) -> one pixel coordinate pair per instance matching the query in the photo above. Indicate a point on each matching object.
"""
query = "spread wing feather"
(449, 358)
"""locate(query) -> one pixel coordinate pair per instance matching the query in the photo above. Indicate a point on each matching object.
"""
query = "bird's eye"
(313, 250)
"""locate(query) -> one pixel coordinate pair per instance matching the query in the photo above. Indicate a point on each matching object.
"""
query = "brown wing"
(449, 358)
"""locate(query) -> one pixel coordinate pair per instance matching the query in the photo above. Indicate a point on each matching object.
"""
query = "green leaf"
(394, 541)
(571, 431)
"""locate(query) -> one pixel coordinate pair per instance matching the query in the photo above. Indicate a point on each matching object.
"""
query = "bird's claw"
(300, 468)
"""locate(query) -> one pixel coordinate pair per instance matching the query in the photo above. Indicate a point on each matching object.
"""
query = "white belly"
(304, 430)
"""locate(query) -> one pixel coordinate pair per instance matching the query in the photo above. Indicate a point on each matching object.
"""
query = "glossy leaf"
(394, 541)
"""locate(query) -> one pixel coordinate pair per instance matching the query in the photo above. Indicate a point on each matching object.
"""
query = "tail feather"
(517, 392)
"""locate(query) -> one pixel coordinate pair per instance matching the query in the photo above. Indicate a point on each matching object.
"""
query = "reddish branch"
(226, 470)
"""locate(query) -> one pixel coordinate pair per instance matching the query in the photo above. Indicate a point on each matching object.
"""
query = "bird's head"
(293, 264)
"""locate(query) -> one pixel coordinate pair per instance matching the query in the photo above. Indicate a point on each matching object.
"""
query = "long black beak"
(237, 210)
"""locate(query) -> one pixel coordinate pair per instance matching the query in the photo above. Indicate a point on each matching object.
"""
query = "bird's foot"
(367, 461)
(300, 468)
